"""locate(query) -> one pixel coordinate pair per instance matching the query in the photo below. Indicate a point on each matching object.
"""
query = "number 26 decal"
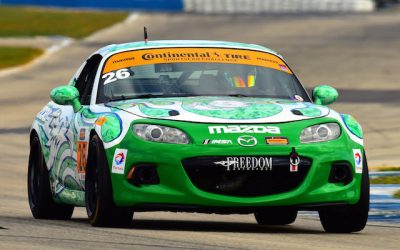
(114, 76)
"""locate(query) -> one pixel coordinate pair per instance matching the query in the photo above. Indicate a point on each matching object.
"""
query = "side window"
(72, 82)
(79, 78)
(84, 83)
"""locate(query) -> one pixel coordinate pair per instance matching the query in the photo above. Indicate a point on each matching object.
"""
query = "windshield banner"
(194, 55)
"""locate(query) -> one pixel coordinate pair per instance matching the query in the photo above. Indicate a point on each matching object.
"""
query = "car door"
(84, 84)
(66, 151)
(60, 140)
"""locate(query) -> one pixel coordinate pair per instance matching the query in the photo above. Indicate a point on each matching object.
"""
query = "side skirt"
(72, 197)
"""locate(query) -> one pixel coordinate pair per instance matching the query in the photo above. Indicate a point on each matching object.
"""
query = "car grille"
(210, 174)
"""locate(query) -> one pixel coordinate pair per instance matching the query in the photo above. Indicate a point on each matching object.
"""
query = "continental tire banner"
(194, 55)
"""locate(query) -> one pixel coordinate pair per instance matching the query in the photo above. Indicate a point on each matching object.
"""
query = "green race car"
(199, 126)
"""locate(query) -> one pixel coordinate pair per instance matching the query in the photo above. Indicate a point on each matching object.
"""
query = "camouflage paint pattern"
(352, 125)
(324, 95)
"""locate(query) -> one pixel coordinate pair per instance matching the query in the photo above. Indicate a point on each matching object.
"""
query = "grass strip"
(14, 56)
(385, 169)
(385, 180)
(32, 21)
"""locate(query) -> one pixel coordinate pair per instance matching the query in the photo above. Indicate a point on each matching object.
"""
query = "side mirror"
(324, 95)
(66, 95)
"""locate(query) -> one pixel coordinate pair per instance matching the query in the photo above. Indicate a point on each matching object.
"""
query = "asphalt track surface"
(358, 54)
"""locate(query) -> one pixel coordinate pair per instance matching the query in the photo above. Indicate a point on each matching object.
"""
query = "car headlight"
(320, 133)
(158, 133)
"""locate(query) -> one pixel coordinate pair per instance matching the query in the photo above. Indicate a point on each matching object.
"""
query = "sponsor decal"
(81, 156)
(358, 160)
(283, 67)
(101, 120)
(236, 129)
(193, 55)
(119, 159)
(298, 98)
(82, 134)
(225, 142)
(276, 140)
(123, 60)
(247, 141)
(246, 163)
(206, 55)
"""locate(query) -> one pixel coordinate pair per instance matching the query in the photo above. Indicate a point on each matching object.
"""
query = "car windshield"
(176, 72)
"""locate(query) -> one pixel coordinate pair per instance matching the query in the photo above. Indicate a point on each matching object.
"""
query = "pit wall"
(278, 6)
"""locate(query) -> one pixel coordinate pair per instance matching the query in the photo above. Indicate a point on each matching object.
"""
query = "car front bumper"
(177, 190)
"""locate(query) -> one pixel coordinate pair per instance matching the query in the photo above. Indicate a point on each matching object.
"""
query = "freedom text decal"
(246, 163)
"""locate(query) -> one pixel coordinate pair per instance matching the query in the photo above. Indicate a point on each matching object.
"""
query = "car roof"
(115, 48)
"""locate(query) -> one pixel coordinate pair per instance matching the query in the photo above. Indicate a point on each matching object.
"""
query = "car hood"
(218, 109)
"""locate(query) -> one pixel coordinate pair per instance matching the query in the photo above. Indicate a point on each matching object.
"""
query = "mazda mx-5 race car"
(197, 126)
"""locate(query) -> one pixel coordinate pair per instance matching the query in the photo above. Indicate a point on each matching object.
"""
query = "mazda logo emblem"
(247, 141)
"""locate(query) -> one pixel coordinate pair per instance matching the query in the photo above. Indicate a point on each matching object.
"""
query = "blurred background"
(352, 45)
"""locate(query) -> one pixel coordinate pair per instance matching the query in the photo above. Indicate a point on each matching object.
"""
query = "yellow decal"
(194, 55)
(251, 81)
(277, 140)
(239, 83)
(101, 120)
(81, 156)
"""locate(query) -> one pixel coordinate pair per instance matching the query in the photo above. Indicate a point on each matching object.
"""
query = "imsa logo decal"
(224, 142)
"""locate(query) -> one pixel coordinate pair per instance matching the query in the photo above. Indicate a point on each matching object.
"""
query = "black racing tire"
(40, 199)
(100, 206)
(351, 218)
(276, 216)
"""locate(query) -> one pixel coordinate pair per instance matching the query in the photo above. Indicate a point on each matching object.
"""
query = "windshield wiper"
(123, 97)
(238, 95)
(118, 98)
(145, 96)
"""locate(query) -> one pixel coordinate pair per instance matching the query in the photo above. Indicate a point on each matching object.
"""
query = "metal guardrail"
(278, 6)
